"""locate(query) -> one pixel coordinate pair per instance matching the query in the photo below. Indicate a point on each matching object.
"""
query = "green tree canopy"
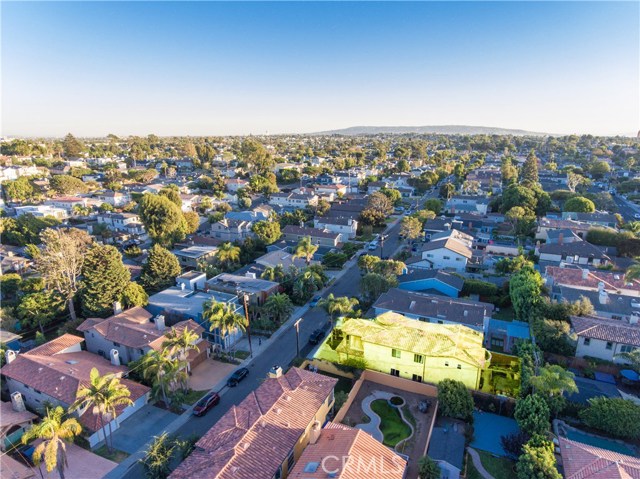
(162, 219)
(530, 168)
(525, 288)
(134, 295)
(160, 270)
(579, 204)
(455, 400)
(67, 185)
(532, 414)
(105, 278)
(615, 416)
(267, 231)
(537, 460)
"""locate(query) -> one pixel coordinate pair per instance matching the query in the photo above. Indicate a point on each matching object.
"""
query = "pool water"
(599, 442)
(488, 429)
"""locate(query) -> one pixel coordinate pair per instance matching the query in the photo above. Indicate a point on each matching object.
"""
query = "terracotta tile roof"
(430, 339)
(366, 456)
(582, 461)
(60, 375)
(573, 276)
(57, 345)
(254, 438)
(615, 331)
(9, 417)
(133, 328)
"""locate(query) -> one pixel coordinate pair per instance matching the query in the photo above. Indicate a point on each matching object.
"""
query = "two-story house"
(257, 289)
(344, 225)
(127, 222)
(605, 338)
(403, 347)
(264, 436)
(54, 372)
(467, 204)
(318, 236)
(449, 250)
(191, 256)
(294, 200)
(231, 230)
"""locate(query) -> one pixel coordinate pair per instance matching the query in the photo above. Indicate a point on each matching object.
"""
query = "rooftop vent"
(311, 466)
(71, 361)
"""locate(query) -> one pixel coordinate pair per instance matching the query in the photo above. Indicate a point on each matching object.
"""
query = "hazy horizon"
(221, 69)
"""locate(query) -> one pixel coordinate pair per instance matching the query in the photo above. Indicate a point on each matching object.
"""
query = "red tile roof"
(351, 454)
(582, 461)
(60, 374)
(615, 331)
(573, 276)
(254, 438)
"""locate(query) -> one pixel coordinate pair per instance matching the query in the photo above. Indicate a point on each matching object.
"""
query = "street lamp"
(382, 238)
(297, 326)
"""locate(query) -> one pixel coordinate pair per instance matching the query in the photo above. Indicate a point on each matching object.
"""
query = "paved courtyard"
(209, 373)
(135, 431)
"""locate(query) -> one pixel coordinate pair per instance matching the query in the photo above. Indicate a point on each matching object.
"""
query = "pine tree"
(105, 280)
(160, 270)
(530, 168)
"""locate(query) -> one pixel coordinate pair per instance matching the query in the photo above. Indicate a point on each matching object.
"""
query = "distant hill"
(437, 129)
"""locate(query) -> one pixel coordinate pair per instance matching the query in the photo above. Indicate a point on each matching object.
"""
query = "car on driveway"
(207, 402)
(316, 336)
(637, 216)
(314, 302)
(237, 376)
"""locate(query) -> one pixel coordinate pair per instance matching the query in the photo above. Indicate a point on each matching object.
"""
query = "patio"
(82, 464)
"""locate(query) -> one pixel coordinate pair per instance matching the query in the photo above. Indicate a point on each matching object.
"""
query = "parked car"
(207, 402)
(314, 302)
(373, 245)
(316, 336)
(237, 376)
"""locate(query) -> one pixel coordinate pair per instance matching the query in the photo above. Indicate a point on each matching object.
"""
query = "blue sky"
(208, 68)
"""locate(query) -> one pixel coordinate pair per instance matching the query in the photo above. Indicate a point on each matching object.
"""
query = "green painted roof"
(430, 339)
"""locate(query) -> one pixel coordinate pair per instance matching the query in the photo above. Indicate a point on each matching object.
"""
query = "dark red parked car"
(206, 403)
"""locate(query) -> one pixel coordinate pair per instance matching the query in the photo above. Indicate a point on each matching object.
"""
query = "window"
(395, 353)
(586, 341)
(395, 372)
(290, 461)
(446, 363)
(625, 348)
(609, 345)
(416, 378)
(497, 342)
(141, 351)
(429, 255)
(117, 345)
(459, 366)
(418, 358)
(458, 259)
(446, 257)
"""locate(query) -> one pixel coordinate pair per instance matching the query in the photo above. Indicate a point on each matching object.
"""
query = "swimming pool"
(600, 442)
(488, 429)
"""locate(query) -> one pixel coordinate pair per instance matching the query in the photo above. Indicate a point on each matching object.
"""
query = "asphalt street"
(625, 209)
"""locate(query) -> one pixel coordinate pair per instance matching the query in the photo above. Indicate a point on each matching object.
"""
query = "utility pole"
(382, 238)
(297, 326)
(245, 298)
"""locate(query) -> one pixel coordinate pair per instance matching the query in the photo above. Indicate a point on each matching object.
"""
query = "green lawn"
(115, 455)
(242, 354)
(498, 467)
(392, 425)
(192, 396)
(505, 314)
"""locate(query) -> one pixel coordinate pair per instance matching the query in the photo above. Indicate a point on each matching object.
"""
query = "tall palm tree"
(554, 380)
(179, 342)
(155, 367)
(306, 249)
(278, 307)
(228, 254)
(55, 432)
(273, 273)
(338, 305)
(222, 317)
(103, 394)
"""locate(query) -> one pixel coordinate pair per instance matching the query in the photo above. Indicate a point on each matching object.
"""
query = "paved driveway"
(209, 373)
(136, 430)
(82, 464)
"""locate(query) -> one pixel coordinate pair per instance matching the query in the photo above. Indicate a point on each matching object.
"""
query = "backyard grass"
(242, 354)
(472, 472)
(505, 314)
(498, 467)
(115, 455)
(393, 427)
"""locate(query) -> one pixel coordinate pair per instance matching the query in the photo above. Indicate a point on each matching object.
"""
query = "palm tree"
(157, 457)
(227, 254)
(338, 305)
(633, 273)
(222, 317)
(273, 273)
(155, 367)
(104, 394)
(278, 307)
(306, 249)
(180, 341)
(633, 357)
(55, 433)
(554, 380)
